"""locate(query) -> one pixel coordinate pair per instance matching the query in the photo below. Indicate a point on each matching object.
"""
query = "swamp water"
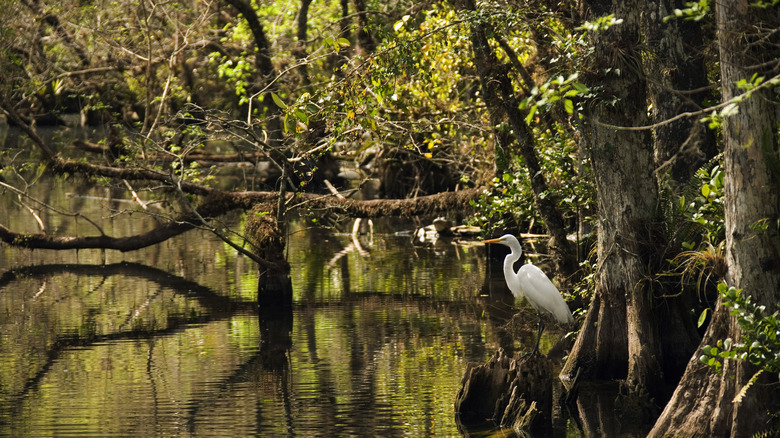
(168, 340)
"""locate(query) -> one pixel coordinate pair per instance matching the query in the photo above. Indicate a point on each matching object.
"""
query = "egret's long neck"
(509, 269)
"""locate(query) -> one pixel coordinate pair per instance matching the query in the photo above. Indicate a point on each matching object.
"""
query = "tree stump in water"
(513, 392)
(275, 288)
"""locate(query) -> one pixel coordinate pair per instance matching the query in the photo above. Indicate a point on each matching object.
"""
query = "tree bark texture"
(275, 284)
(677, 82)
(624, 336)
(366, 43)
(704, 402)
(302, 36)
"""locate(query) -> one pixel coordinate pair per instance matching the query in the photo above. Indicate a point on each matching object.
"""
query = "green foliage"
(715, 118)
(510, 202)
(416, 93)
(600, 24)
(764, 4)
(694, 219)
(706, 209)
(587, 285)
(238, 73)
(694, 226)
(760, 337)
(694, 11)
(554, 90)
(551, 107)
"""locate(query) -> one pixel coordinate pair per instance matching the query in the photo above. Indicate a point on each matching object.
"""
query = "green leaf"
(524, 103)
(278, 101)
(400, 23)
(580, 87)
(301, 116)
(530, 115)
(702, 317)
(568, 105)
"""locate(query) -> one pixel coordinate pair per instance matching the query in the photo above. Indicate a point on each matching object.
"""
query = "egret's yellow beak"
(491, 241)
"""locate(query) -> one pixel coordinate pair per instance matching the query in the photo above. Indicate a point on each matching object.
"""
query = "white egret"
(530, 281)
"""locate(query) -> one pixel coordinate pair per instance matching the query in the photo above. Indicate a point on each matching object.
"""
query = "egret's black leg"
(538, 335)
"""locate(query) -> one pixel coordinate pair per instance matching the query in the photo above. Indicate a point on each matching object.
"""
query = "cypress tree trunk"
(703, 403)
(619, 337)
(677, 82)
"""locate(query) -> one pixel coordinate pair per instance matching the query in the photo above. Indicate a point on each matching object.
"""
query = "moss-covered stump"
(275, 286)
(513, 392)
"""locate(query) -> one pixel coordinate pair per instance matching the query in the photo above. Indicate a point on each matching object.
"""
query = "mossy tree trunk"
(275, 285)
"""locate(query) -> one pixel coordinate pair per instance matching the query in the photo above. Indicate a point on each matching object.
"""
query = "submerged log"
(513, 392)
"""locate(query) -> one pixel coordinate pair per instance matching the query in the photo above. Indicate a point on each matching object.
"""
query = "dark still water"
(168, 341)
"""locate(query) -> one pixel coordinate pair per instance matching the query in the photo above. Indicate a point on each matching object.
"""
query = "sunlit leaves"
(278, 101)
(760, 343)
(693, 11)
(703, 317)
(556, 89)
(236, 72)
(715, 118)
(707, 210)
(600, 24)
(336, 43)
(400, 23)
(297, 115)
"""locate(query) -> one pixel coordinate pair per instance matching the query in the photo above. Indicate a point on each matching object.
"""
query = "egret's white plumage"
(531, 282)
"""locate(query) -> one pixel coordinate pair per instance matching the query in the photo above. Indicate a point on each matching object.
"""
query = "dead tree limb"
(215, 202)
(205, 159)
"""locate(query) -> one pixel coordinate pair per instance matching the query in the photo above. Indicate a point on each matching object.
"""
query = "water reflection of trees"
(217, 306)
(368, 322)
